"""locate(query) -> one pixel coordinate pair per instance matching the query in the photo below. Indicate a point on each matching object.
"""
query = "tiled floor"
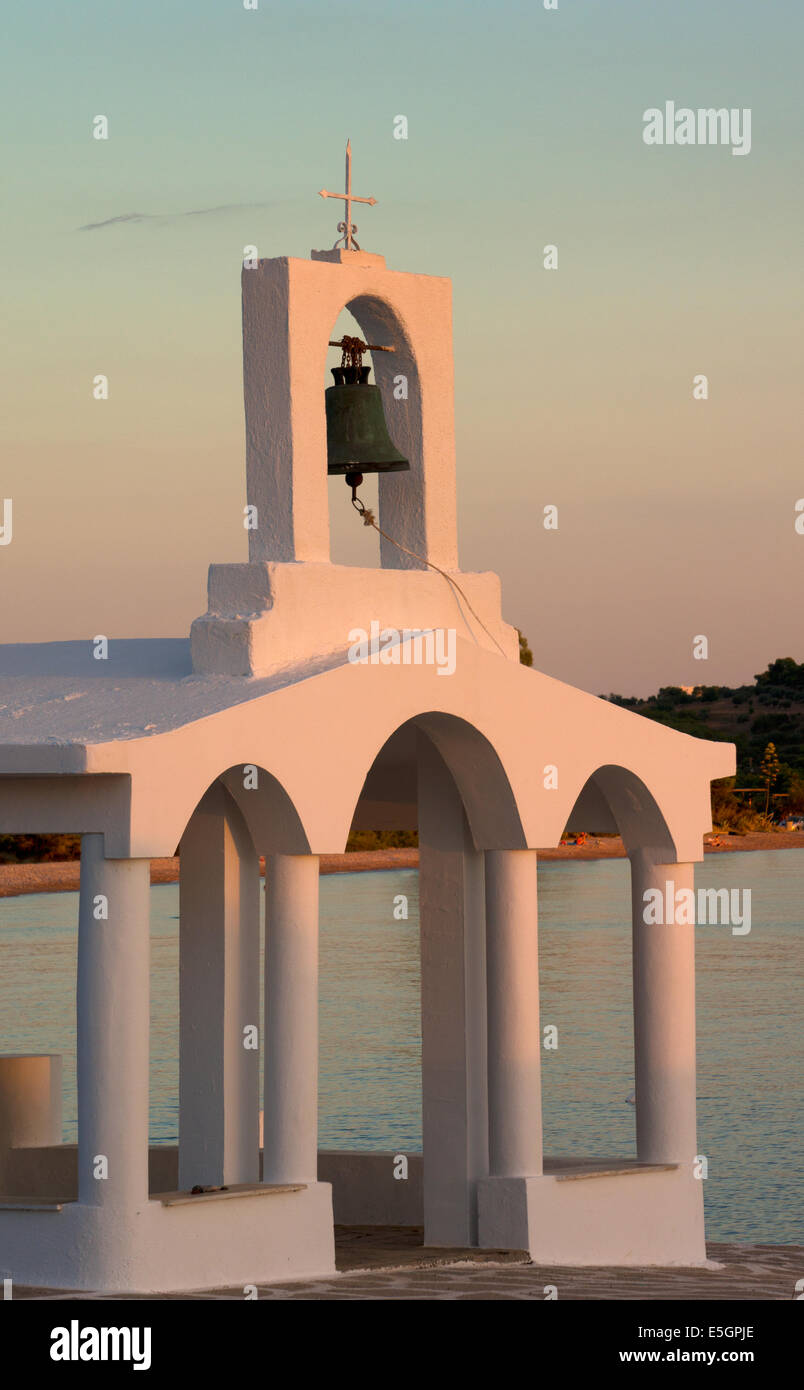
(390, 1262)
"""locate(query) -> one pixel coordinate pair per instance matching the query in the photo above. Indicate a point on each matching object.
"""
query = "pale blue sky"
(572, 387)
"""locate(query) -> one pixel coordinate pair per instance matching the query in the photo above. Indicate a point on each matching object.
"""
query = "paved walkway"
(390, 1262)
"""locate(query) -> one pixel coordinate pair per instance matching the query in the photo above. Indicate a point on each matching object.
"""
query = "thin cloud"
(110, 221)
(165, 217)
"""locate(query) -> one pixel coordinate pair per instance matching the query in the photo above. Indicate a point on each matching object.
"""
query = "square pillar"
(664, 1012)
(514, 1036)
(219, 1001)
(291, 1019)
(453, 990)
(113, 1026)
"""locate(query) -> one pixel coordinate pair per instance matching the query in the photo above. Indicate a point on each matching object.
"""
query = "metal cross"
(347, 228)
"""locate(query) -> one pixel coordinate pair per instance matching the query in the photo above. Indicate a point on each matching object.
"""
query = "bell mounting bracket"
(352, 350)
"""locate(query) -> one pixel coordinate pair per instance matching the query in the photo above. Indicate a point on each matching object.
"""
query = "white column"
(113, 1028)
(514, 1038)
(219, 997)
(453, 1004)
(291, 1019)
(664, 1016)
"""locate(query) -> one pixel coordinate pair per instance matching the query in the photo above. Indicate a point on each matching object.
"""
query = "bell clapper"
(353, 481)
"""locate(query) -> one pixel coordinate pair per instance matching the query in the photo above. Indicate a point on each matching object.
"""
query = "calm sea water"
(749, 1021)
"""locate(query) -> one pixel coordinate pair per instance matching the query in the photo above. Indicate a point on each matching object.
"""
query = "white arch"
(477, 771)
(625, 803)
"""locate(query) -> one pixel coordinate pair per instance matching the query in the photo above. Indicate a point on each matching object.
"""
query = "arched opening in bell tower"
(393, 494)
(350, 542)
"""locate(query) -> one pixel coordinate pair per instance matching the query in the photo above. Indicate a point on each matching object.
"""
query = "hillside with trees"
(766, 722)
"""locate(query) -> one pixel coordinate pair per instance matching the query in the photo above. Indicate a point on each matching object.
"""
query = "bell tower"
(289, 307)
(289, 604)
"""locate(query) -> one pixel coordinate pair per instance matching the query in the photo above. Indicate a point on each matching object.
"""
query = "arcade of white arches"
(229, 743)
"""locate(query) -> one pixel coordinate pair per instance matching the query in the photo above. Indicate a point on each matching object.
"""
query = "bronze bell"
(357, 436)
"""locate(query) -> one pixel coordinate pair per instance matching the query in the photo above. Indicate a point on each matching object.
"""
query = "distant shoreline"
(63, 875)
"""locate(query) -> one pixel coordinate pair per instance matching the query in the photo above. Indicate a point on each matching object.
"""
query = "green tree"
(525, 653)
(769, 770)
(783, 671)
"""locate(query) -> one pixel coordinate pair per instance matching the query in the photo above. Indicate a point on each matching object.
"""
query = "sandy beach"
(63, 876)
